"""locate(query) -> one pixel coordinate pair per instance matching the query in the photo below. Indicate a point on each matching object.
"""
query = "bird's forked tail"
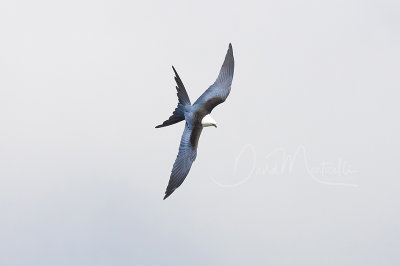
(179, 112)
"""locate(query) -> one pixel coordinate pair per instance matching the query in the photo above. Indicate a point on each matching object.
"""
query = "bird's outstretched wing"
(219, 91)
(186, 156)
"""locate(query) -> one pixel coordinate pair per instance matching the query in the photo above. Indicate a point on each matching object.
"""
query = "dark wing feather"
(219, 91)
(186, 156)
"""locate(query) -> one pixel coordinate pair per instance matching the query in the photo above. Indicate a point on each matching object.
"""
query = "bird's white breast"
(208, 121)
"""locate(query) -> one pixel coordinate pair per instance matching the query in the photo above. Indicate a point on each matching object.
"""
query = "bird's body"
(196, 116)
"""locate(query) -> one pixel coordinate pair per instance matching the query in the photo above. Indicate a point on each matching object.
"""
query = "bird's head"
(208, 121)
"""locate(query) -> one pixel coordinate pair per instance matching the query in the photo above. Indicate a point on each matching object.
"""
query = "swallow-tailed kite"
(196, 116)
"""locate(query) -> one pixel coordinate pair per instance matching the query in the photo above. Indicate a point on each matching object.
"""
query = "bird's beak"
(215, 125)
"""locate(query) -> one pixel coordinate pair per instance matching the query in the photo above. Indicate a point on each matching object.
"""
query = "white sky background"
(83, 171)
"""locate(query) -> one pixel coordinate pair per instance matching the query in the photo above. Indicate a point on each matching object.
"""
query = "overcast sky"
(302, 170)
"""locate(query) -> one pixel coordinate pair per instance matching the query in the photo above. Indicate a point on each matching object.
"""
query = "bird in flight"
(197, 116)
